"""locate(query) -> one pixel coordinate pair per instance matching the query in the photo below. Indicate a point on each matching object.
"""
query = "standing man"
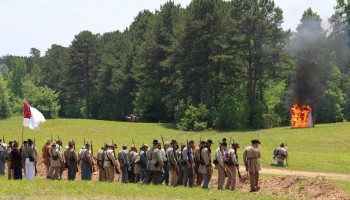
(156, 165)
(181, 164)
(172, 162)
(46, 156)
(123, 161)
(149, 158)
(137, 168)
(163, 154)
(110, 164)
(219, 163)
(8, 159)
(131, 154)
(60, 150)
(29, 158)
(251, 156)
(55, 162)
(86, 164)
(102, 176)
(17, 161)
(71, 161)
(205, 167)
(3, 148)
(187, 156)
(280, 154)
(231, 166)
(197, 156)
(143, 163)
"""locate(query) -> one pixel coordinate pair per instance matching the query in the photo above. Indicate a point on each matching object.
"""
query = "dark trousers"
(149, 177)
(156, 177)
(180, 178)
(165, 176)
(17, 173)
(72, 170)
(188, 176)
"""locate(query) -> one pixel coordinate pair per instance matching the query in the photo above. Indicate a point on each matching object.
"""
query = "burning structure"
(301, 116)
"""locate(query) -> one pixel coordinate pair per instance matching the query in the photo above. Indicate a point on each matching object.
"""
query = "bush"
(5, 108)
(194, 118)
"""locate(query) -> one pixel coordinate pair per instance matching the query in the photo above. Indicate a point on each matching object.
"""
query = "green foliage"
(42, 98)
(17, 76)
(195, 118)
(5, 108)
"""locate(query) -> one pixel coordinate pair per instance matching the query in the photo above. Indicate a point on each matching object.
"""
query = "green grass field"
(322, 149)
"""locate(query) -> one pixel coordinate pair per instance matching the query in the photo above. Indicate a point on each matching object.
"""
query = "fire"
(301, 116)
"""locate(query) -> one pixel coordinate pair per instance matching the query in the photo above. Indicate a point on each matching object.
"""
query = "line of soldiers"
(171, 165)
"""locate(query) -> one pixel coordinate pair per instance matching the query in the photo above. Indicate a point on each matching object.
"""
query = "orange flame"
(301, 116)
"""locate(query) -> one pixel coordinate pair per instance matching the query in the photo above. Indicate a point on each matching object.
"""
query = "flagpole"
(22, 135)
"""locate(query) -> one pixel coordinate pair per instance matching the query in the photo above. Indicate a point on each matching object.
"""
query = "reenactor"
(149, 154)
(251, 156)
(131, 154)
(17, 161)
(205, 166)
(110, 164)
(231, 166)
(143, 163)
(60, 150)
(102, 174)
(46, 156)
(173, 162)
(163, 154)
(156, 164)
(188, 169)
(8, 159)
(3, 148)
(123, 161)
(55, 162)
(280, 155)
(199, 176)
(71, 161)
(181, 163)
(137, 168)
(219, 163)
(86, 163)
(29, 155)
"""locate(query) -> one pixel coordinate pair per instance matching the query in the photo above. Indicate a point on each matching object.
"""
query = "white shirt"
(219, 155)
(163, 155)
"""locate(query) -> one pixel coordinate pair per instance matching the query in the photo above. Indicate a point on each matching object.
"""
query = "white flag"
(32, 118)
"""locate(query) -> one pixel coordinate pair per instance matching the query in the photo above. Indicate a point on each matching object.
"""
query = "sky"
(40, 23)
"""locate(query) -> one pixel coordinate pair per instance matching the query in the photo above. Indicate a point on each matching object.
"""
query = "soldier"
(251, 156)
(123, 161)
(143, 163)
(219, 163)
(55, 161)
(29, 155)
(110, 164)
(149, 158)
(71, 161)
(46, 156)
(181, 163)
(187, 156)
(156, 164)
(199, 176)
(86, 163)
(163, 154)
(3, 148)
(231, 166)
(102, 176)
(8, 161)
(137, 168)
(17, 161)
(131, 175)
(172, 161)
(205, 167)
(280, 154)
(59, 147)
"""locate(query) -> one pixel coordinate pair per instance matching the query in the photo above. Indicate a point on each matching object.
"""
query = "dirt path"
(289, 172)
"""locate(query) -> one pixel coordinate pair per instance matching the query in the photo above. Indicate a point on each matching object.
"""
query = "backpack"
(276, 152)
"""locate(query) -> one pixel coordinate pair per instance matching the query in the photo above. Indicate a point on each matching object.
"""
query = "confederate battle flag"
(32, 118)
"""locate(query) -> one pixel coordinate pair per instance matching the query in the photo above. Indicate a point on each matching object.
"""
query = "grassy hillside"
(323, 148)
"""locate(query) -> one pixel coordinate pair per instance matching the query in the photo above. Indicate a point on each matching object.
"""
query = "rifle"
(3, 138)
(51, 137)
(287, 154)
(75, 152)
(134, 145)
(162, 141)
(84, 142)
(239, 173)
(36, 170)
(92, 158)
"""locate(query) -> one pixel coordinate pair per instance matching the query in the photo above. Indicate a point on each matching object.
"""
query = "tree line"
(214, 64)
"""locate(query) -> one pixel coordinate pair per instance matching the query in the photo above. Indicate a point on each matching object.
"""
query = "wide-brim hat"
(155, 142)
(236, 145)
(144, 146)
(53, 144)
(255, 141)
(209, 141)
(173, 141)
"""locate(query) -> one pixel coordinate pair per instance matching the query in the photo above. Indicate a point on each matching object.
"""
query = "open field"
(320, 149)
